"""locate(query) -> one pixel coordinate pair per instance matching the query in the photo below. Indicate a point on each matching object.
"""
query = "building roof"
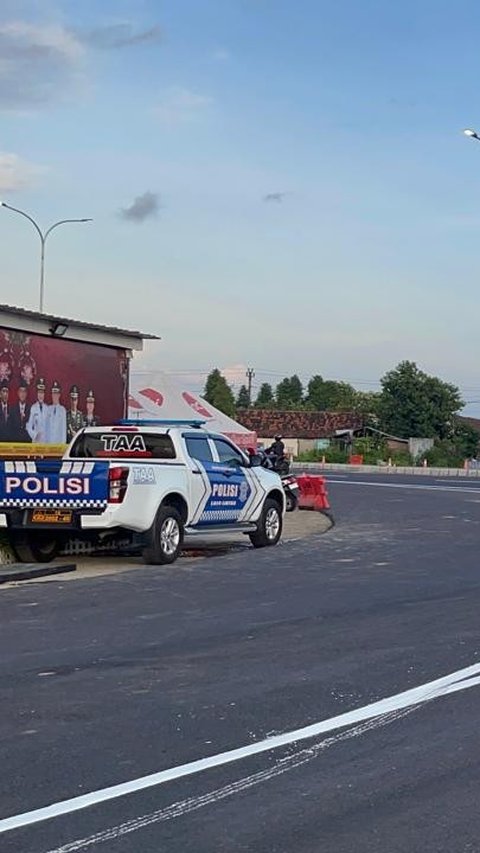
(36, 322)
(269, 422)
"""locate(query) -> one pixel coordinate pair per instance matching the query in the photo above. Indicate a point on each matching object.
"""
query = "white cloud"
(235, 375)
(38, 64)
(24, 39)
(15, 173)
(178, 106)
(41, 64)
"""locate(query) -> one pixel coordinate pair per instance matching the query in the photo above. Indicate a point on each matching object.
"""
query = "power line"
(266, 372)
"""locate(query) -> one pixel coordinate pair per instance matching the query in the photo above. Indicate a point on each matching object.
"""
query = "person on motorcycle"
(276, 454)
(278, 447)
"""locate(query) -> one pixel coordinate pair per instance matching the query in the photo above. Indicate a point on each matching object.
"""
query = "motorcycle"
(292, 492)
(282, 467)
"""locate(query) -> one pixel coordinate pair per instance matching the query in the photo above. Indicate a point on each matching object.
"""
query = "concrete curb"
(385, 470)
(29, 571)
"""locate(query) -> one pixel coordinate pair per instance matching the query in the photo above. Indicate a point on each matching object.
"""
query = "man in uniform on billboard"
(20, 415)
(37, 422)
(91, 419)
(74, 416)
(56, 418)
(4, 412)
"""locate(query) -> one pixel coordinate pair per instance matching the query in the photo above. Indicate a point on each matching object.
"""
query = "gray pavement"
(112, 678)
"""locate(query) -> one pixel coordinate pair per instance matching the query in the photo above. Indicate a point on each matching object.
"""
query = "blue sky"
(353, 110)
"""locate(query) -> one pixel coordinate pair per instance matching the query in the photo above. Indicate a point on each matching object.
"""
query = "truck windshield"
(122, 445)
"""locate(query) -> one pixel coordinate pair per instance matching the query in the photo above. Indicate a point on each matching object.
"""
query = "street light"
(43, 239)
(472, 134)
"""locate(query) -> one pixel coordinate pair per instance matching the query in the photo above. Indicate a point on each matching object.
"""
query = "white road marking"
(405, 486)
(460, 680)
(191, 804)
(462, 480)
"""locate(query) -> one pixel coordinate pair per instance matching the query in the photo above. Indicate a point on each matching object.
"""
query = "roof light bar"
(161, 422)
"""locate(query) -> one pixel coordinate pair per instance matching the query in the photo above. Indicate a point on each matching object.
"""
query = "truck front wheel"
(165, 538)
(269, 528)
(34, 548)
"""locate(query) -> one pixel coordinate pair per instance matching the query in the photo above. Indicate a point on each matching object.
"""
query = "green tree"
(265, 397)
(219, 394)
(465, 438)
(367, 403)
(327, 395)
(315, 398)
(412, 403)
(243, 399)
(289, 393)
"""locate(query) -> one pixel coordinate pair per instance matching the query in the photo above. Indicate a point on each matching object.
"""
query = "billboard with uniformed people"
(51, 387)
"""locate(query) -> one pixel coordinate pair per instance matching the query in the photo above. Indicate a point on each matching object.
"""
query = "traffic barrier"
(356, 459)
(313, 493)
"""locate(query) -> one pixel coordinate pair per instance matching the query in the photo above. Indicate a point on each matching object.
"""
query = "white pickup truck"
(147, 483)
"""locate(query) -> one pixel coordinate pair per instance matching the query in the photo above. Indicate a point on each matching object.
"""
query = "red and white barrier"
(313, 492)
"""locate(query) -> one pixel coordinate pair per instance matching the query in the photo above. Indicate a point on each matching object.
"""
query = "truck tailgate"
(54, 483)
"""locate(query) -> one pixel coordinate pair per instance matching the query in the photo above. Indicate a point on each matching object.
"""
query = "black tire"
(269, 528)
(291, 501)
(34, 548)
(165, 538)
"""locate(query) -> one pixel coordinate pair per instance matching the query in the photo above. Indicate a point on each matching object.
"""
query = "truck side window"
(228, 454)
(198, 448)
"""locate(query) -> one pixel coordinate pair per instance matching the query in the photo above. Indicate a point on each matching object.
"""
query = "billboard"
(51, 387)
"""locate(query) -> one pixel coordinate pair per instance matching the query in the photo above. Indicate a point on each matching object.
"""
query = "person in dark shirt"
(90, 419)
(74, 415)
(19, 416)
(4, 412)
(278, 447)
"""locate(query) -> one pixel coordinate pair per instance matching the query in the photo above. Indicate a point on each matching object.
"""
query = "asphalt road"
(107, 680)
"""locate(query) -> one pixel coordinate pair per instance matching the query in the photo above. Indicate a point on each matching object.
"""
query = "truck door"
(200, 458)
(220, 487)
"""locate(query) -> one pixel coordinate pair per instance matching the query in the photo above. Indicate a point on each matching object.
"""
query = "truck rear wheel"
(269, 528)
(165, 538)
(37, 548)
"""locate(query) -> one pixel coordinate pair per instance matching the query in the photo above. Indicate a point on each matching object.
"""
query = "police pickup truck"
(146, 483)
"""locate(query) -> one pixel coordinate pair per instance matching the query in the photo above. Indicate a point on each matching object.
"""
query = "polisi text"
(36, 485)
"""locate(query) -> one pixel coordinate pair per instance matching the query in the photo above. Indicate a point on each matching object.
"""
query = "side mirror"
(255, 460)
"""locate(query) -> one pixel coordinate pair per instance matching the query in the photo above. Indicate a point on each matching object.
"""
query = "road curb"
(29, 571)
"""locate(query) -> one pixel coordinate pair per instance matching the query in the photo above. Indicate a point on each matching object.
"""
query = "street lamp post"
(472, 134)
(43, 239)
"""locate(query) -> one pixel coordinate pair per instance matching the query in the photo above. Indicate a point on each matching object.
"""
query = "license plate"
(52, 516)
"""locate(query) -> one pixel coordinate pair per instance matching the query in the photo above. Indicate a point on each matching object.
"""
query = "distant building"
(302, 431)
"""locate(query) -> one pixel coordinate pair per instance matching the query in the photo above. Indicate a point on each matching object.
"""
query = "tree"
(465, 438)
(315, 397)
(219, 394)
(265, 397)
(243, 398)
(329, 395)
(367, 403)
(414, 404)
(289, 393)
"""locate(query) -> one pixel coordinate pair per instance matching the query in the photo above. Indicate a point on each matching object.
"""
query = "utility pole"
(250, 374)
